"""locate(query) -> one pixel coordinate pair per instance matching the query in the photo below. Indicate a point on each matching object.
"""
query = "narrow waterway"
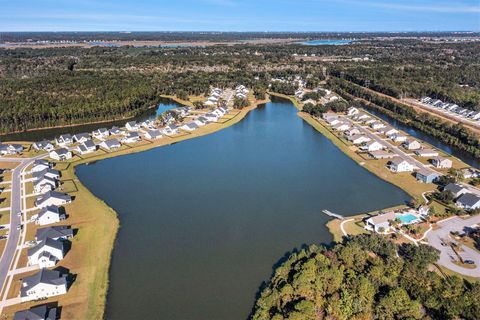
(50, 134)
(462, 155)
(204, 221)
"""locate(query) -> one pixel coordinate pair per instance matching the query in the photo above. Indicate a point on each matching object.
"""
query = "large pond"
(204, 221)
(50, 134)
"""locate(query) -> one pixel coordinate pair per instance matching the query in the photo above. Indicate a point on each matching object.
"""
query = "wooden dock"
(334, 215)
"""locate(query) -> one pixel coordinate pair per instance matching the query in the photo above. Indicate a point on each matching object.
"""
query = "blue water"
(325, 42)
(407, 218)
(203, 221)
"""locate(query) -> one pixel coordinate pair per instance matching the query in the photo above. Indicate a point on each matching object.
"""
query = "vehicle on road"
(468, 261)
(19, 227)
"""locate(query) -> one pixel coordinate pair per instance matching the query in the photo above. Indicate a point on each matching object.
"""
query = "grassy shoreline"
(98, 225)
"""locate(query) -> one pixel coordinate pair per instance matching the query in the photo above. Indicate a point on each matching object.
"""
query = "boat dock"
(331, 214)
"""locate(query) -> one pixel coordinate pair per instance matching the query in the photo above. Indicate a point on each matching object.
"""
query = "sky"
(239, 15)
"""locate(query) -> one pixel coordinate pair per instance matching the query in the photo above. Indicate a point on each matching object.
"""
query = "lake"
(204, 221)
(325, 42)
(50, 134)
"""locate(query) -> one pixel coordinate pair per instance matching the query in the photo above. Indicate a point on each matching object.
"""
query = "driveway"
(435, 239)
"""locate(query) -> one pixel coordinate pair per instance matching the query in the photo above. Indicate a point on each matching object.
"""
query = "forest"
(365, 277)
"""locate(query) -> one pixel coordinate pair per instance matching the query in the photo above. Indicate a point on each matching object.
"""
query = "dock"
(331, 214)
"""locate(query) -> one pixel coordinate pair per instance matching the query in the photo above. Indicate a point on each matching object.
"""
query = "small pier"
(331, 214)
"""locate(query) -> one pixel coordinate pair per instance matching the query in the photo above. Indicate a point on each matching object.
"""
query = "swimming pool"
(407, 218)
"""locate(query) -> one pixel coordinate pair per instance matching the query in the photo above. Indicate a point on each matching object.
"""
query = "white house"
(352, 111)
(10, 149)
(64, 140)
(189, 126)
(377, 125)
(399, 137)
(358, 139)
(388, 131)
(44, 184)
(46, 253)
(398, 164)
(52, 198)
(110, 144)
(40, 165)
(412, 144)
(116, 131)
(381, 223)
(43, 145)
(101, 133)
(342, 126)
(469, 201)
(456, 189)
(43, 284)
(48, 172)
(55, 232)
(132, 126)
(49, 215)
(426, 153)
(61, 154)
(469, 173)
(81, 137)
(170, 129)
(153, 134)
(86, 147)
(200, 121)
(148, 124)
(210, 117)
(353, 131)
(441, 162)
(373, 146)
(131, 138)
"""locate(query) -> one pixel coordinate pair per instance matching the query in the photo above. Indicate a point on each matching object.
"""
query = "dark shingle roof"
(37, 313)
(43, 276)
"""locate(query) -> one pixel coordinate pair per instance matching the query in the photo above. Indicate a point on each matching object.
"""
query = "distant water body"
(325, 42)
(204, 221)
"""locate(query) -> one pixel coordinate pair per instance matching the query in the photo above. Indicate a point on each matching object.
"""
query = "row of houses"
(464, 198)
(451, 107)
(214, 97)
(10, 149)
(241, 92)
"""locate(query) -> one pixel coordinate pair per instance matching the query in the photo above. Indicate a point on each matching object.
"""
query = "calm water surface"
(50, 134)
(204, 221)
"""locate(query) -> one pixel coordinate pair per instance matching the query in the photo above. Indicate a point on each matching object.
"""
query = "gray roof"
(55, 232)
(65, 137)
(154, 133)
(53, 209)
(46, 242)
(41, 312)
(469, 199)
(43, 276)
(40, 174)
(53, 194)
(427, 173)
(41, 162)
(454, 188)
(42, 144)
(111, 143)
(79, 136)
(89, 144)
(397, 160)
(61, 151)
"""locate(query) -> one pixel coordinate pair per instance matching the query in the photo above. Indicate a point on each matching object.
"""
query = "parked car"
(468, 261)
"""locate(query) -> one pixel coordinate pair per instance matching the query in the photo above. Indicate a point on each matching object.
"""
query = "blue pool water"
(407, 218)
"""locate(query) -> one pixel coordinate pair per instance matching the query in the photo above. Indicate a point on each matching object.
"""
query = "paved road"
(15, 207)
(399, 152)
(435, 239)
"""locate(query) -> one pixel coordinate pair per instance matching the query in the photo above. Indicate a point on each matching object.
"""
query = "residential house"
(469, 173)
(153, 134)
(342, 126)
(352, 111)
(427, 153)
(358, 139)
(10, 149)
(170, 129)
(42, 312)
(353, 131)
(43, 284)
(441, 162)
(210, 117)
(81, 137)
(64, 140)
(52, 198)
(399, 137)
(200, 121)
(380, 154)
(148, 124)
(49, 215)
(388, 131)
(101, 133)
(43, 145)
(469, 201)
(48, 172)
(86, 147)
(46, 253)
(132, 126)
(55, 232)
(44, 184)
(456, 189)
(398, 164)
(61, 154)
(411, 144)
(132, 137)
(40, 165)
(426, 176)
(377, 125)
(110, 144)
(189, 126)
(373, 146)
(381, 223)
(115, 131)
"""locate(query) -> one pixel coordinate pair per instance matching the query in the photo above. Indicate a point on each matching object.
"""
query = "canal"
(204, 221)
